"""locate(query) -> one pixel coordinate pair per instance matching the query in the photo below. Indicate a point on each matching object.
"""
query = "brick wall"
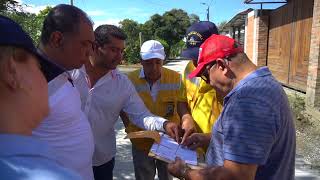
(262, 39)
(249, 36)
(313, 84)
(256, 37)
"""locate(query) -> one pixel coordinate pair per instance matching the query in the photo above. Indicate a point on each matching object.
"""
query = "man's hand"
(187, 126)
(197, 140)
(172, 129)
(178, 168)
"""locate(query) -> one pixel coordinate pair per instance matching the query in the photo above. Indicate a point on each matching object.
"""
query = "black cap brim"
(49, 69)
(191, 53)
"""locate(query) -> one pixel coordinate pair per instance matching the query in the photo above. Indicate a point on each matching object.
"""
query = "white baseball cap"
(152, 49)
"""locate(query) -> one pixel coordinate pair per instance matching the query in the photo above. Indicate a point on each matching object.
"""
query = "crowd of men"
(60, 102)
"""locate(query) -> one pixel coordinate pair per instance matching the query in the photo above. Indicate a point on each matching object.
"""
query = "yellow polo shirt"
(204, 103)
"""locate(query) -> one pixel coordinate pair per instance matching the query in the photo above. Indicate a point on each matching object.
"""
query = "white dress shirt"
(102, 104)
(154, 88)
(66, 129)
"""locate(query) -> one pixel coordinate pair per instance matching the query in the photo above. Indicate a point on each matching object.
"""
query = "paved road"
(124, 168)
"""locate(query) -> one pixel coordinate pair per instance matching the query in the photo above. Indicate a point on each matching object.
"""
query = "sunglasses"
(205, 73)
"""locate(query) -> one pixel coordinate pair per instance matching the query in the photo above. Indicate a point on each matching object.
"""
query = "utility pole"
(208, 10)
(140, 38)
(71, 2)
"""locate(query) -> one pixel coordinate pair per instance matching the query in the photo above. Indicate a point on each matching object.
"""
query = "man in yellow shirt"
(198, 103)
(158, 87)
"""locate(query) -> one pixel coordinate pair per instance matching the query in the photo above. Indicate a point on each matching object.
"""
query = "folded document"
(166, 148)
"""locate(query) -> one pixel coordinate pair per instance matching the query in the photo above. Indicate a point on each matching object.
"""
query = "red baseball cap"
(215, 47)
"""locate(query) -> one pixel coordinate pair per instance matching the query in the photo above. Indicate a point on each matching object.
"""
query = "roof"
(265, 1)
(238, 20)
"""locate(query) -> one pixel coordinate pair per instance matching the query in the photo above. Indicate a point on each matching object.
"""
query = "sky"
(113, 11)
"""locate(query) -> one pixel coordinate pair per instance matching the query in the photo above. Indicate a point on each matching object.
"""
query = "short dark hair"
(63, 18)
(104, 32)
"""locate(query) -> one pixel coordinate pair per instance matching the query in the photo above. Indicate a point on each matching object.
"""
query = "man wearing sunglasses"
(254, 138)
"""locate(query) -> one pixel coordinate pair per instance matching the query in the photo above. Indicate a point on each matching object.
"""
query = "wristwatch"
(184, 171)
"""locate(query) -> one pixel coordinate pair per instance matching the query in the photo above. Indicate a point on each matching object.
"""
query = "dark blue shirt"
(256, 127)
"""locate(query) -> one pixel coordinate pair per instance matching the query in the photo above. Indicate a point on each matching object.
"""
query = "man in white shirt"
(66, 39)
(105, 92)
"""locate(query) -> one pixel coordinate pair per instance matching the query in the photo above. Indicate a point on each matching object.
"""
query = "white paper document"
(170, 149)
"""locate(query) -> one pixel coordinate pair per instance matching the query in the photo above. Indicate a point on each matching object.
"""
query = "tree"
(132, 29)
(221, 25)
(150, 28)
(194, 18)
(31, 23)
(176, 23)
(6, 5)
(168, 28)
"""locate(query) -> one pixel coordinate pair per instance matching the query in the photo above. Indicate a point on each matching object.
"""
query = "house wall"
(313, 83)
(256, 37)
(249, 35)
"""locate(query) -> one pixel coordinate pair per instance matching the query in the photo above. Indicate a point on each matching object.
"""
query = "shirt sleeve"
(182, 97)
(138, 112)
(249, 129)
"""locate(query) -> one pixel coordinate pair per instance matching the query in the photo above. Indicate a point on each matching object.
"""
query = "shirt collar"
(112, 72)
(13, 145)
(263, 71)
(141, 75)
(83, 69)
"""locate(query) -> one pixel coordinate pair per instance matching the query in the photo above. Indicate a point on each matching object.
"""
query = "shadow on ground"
(123, 165)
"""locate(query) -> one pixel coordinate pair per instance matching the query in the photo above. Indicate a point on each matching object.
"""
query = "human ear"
(9, 75)
(56, 39)
(223, 66)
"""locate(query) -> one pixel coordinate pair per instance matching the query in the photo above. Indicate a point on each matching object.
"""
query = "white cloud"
(106, 21)
(96, 13)
(33, 8)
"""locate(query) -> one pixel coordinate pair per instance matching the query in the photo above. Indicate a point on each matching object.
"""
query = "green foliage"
(177, 48)
(131, 53)
(31, 23)
(168, 28)
(175, 23)
(132, 29)
(221, 25)
(6, 5)
(194, 18)
(165, 45)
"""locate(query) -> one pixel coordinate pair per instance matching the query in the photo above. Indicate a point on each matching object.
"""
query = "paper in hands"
(168, 149)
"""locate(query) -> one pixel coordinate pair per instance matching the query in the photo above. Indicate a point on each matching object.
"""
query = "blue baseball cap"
(12, 34)
(196, 34)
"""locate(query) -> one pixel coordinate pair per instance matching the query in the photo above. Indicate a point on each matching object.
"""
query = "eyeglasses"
(205, 73)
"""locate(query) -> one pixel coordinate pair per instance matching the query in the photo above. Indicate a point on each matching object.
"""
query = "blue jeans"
(105, 171)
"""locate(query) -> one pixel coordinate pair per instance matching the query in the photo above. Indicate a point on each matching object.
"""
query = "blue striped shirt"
(256, 127)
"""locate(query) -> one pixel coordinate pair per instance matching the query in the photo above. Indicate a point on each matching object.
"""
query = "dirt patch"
(307, 129)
